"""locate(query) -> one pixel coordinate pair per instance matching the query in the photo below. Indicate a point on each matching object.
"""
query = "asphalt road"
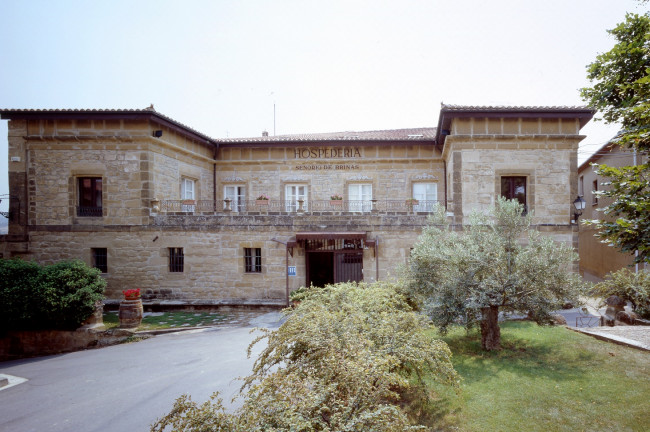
(125, 388)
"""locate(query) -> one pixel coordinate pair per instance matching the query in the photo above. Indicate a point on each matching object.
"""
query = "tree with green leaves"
(496, 263)
(350, 357)
(621, 93)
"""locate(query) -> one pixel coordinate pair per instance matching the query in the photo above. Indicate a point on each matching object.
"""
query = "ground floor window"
(253, 260)
(100, 259)
(514, 188)
(176, 260)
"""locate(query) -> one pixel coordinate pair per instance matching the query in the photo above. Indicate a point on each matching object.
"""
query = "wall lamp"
(579, 206)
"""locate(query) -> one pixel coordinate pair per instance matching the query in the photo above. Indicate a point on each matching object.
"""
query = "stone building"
(597, 259)
(157, 205)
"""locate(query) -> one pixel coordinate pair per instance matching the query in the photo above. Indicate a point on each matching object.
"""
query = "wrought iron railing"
(89, 211)
(298, 206)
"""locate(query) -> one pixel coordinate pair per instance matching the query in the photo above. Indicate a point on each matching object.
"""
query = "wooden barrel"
(130, 313)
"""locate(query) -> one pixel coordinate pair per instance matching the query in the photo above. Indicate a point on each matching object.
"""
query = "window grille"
(253, 260)
(176, 260)
(100, 259)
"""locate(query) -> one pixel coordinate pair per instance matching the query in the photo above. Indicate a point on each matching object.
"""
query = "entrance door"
(332, 267)
(320, 268)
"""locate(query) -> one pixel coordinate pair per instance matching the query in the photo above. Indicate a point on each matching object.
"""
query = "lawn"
(164, 320)
(546, 379)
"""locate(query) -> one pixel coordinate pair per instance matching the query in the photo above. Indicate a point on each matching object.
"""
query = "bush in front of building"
(58, 296)
(630, 286)
(348, 357)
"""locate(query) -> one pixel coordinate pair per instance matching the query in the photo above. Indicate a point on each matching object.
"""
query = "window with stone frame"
(89, 191)
(594, 194)
(293, 193)
(253, 260)
(176, 260)
(100, 259)
(187, 194)
(427, 195)
(514, 188)
(237, 196)
(359, 195)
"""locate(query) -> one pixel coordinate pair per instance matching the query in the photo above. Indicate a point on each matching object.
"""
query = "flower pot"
(336, 203)
(262, 202)
(130, 313)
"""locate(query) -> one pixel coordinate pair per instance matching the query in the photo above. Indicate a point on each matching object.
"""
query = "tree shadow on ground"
(527, 350)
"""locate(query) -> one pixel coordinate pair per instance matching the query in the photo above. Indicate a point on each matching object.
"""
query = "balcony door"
(293, 193)
(360, 195)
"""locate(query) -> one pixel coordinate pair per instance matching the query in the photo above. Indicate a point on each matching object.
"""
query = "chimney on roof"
(265, 133)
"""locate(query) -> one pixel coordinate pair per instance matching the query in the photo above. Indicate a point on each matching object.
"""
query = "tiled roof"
(17, 113)
(498, 108)
(415, 134)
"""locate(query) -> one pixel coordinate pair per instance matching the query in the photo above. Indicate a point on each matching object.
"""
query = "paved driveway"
(125, 388)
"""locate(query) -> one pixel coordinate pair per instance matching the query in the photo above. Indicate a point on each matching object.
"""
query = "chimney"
(265, 133)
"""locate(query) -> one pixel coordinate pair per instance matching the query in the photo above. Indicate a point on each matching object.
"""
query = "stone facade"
(168, 190)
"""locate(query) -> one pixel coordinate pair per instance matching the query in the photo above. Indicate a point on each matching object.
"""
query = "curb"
(619, 340)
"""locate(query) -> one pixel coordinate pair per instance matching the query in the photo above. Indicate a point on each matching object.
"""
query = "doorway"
(332, 267)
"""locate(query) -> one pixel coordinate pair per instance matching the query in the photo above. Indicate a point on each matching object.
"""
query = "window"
(253, 260)
(581, 186)
(293, 193)
(176, 260)
(360, 195)
(90, 196)
(187, 193)
(237, 197)
(594, 195)
(100, 259)
(426, 194)
(514, 188)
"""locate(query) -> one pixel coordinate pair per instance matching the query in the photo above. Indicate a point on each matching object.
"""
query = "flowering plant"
(263, 197)
(131, 293)
(412, 201)
(336, 197)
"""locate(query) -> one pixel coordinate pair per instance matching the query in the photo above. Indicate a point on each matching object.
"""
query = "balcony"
(324, 207)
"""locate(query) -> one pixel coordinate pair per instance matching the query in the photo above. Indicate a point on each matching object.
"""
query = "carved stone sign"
(327, 152)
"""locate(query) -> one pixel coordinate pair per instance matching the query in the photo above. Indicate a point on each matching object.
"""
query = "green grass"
(546, 379)
(170, 320)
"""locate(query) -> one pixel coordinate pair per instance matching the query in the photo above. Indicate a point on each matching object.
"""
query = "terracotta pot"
(262, 202)
(336, 203)
(130, 313)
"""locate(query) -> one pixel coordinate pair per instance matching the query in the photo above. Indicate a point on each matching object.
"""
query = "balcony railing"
(306, 206)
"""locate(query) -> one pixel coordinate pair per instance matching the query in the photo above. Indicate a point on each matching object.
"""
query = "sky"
(235, 68)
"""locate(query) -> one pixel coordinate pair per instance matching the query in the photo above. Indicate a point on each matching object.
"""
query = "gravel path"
(637, 335)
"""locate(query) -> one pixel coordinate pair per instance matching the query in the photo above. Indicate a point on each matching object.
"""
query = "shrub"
(630, 286)
(59, 296)
(347, 358)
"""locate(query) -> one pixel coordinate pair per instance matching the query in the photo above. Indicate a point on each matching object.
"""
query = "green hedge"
(59, 296)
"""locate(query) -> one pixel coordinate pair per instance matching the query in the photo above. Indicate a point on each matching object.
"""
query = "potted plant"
(262, 200)
(336, 200)
(130, 313)
(412, 202)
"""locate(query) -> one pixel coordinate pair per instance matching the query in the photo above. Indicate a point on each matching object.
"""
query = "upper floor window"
(360, 195)
(594, 195)
(237, 196)
(292, 194)
(514, 188)
(100, 259)
(90, 196)
(187, 194)
(581, 186)
(426, 194)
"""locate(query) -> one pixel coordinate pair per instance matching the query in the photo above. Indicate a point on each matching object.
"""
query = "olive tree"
(496, 263)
